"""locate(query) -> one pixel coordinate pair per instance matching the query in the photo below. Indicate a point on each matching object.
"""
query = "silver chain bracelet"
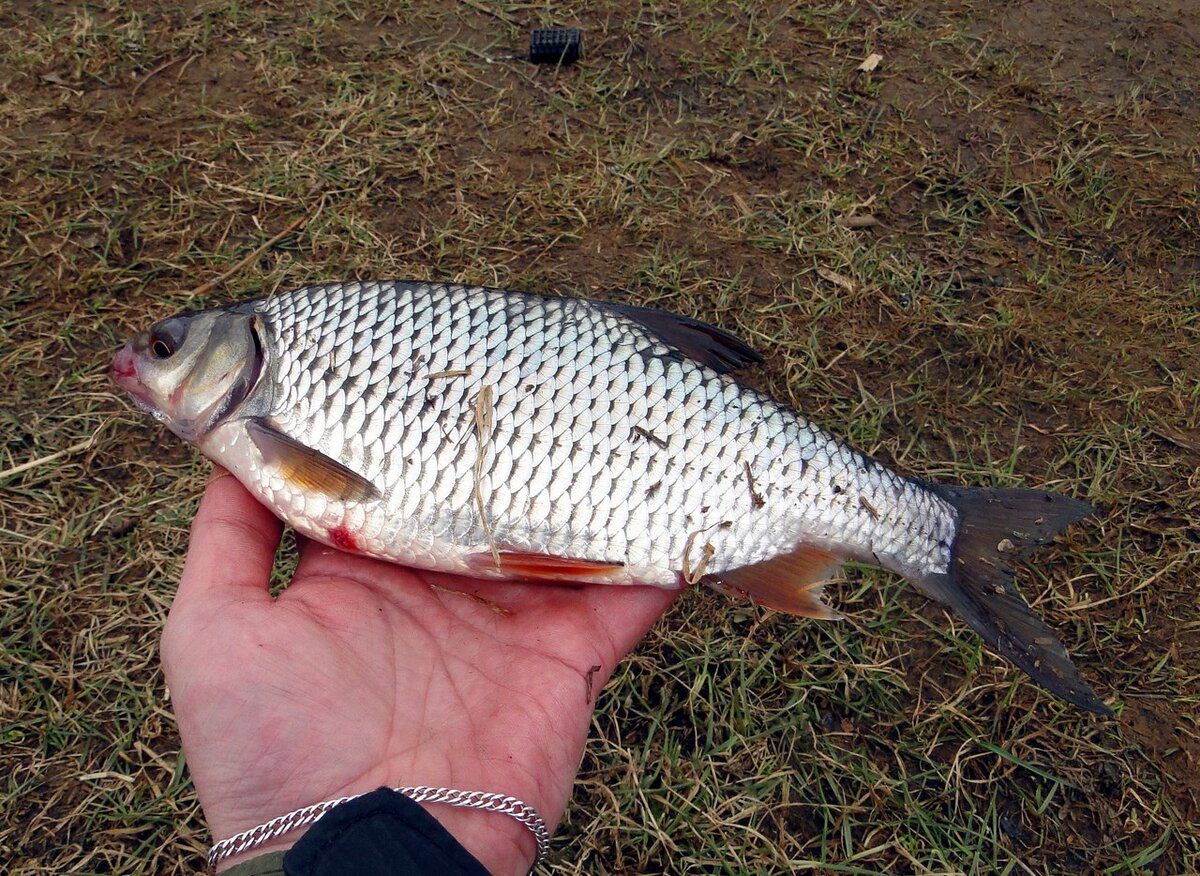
(256, 836)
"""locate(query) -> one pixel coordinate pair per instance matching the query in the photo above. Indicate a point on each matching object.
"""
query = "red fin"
(545, 567)
(792, 582)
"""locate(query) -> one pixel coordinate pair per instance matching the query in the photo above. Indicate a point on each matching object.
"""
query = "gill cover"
(198, 368)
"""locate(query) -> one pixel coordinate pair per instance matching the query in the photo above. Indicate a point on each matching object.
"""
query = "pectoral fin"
(306, 468)
(793, 582)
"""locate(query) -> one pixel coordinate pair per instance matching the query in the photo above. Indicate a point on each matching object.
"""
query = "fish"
(509, 435)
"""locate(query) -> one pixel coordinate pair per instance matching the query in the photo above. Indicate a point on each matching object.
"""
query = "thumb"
(231, 551)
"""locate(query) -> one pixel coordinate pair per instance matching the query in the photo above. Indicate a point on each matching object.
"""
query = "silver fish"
(507, 435)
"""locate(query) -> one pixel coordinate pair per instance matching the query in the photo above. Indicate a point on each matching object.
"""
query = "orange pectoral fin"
(545, 567)
(307, 468)
(793, 582)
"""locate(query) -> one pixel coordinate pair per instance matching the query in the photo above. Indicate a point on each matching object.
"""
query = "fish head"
(192, 371)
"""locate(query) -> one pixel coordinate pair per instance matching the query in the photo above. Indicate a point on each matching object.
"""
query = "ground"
(978, 261)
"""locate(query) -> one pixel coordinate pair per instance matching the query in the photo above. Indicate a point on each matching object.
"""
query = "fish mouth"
(124, 374)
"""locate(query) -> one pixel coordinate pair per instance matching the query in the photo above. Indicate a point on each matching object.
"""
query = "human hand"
(363, 674)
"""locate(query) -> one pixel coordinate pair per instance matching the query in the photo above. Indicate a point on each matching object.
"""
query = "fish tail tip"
(996, 529)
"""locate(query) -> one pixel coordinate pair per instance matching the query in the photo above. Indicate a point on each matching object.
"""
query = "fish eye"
(166, 338)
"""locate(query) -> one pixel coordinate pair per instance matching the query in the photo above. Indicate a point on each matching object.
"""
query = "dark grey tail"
(996, 529)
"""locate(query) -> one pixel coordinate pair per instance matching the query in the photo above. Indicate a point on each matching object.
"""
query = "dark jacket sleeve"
(379, 833)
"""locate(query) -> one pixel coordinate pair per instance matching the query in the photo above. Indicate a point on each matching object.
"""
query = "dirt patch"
(1161, 731)
(1136, 57)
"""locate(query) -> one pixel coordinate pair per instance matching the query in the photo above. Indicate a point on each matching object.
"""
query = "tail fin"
(996, 528)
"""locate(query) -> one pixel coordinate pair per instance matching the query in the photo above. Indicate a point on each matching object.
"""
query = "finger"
(617, 615)
(628, 613)
(316, 558)
(322, 569)
(317, 564)
(231, 551)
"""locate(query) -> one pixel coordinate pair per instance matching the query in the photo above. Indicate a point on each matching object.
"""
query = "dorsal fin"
(707, 344)
(791, 582)
(307, 468)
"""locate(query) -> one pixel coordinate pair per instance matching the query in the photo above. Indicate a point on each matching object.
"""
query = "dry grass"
(979, 261)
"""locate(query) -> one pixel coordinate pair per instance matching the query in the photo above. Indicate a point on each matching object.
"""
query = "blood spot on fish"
(342, 539)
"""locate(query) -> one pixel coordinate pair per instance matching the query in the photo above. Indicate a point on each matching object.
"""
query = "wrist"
(266, 864)
(273, 847)
(502, 844)
(498, 831)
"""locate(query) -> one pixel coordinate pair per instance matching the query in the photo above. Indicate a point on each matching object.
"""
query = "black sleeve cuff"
(377, 833)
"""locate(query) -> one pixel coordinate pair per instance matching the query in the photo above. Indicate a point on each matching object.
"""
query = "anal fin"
(545, 567)
(793, 582)
(306, 468)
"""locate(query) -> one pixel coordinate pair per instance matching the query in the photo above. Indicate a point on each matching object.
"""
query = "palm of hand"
(364, 674)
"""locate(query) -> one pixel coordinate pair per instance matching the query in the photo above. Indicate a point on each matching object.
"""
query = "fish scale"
(596, 357)
(508, 435)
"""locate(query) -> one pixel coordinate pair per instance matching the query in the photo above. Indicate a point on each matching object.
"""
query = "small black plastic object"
(556, 45)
